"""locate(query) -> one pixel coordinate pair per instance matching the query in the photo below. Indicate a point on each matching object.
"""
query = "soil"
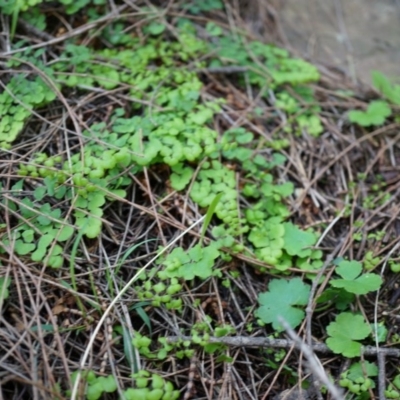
(355, 36)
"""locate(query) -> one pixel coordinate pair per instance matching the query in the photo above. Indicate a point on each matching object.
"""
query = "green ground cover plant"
(170, 146)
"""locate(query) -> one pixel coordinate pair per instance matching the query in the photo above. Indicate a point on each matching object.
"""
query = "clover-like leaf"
(352, 281)
(376, 114)
(283, 300)
(344, 333)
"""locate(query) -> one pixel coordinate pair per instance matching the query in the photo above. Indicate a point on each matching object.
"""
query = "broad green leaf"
(56, 250)
(42, 246)
(94, 391)
(155, 28)
(39, 193)
(50, 185)
(352, 281)
(108, 383)
(27, 211)
(28, 235)
(65, 233)
(283, 300)
(22, 248)
(380, 332)
(349, 269)
(55, 261)
(298, 242)
(344, 333)
(118, 193)
(270, 234)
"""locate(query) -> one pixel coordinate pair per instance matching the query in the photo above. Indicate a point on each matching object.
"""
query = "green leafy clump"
(200, 334)
(345, 332)
(272, 62)
(11, 6)
(147, 386)
(41, 232)
(95, 385)
(152, 387)
(268, 240)
(393, 390)
(198, 6)
(300, 118)
(196, 262)
(375, 115)
(170, 137)
(389, 90)
(214, 178)
(71, 7)
(93, 182)
(357, 379)
(279, 243)
(272, 67)
(285, 299)
(162, 349)
(16, 104)
(143, 67)
(163, 292)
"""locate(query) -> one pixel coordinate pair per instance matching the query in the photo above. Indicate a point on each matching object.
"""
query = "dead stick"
(248, 341)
